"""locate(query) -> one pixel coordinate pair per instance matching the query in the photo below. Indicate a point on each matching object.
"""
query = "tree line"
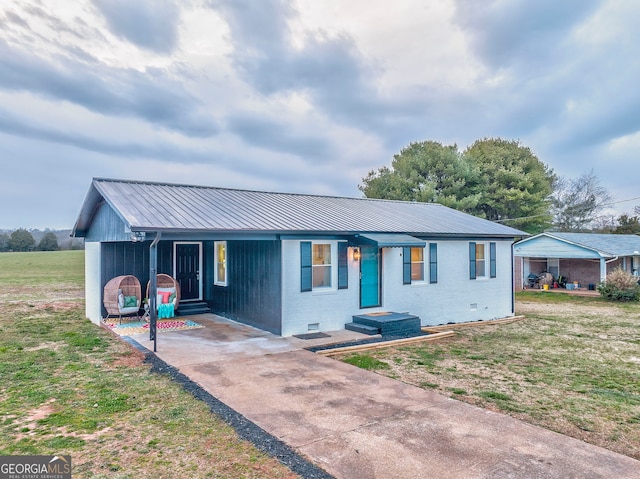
(22, 239)
(499, 180)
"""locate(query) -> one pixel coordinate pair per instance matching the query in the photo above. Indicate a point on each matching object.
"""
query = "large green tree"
(516, 185)
(500, 180)
(429, 172)
(21, 240)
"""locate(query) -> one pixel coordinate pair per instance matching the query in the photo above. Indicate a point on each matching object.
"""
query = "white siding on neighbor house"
(546, 247)
(455, 298)
(93, 290)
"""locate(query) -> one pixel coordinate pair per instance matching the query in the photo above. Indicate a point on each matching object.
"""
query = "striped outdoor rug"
(128, 328)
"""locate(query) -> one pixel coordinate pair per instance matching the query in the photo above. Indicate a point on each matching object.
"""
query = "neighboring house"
(292, 263)
(581, 257)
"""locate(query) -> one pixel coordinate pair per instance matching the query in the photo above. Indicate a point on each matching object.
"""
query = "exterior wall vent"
(313, 326)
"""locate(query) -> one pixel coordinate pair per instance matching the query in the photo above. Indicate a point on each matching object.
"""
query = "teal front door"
(369, 276)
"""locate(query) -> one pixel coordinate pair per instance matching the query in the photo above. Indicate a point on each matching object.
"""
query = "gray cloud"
(150, 25)
(541, 78)
(520, 32)
(149, 95)
(579, 94)
(330, 70)
(278, 136)
(159, 150)
(12, 17)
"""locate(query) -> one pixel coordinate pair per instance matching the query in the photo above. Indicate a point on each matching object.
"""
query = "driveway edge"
(245, 429)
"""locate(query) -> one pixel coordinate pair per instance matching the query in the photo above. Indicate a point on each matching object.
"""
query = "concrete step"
(362, 328)
(390, 323)
(187, 309)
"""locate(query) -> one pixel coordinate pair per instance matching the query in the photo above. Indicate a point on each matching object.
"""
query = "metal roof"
(147, 206)
(608, 244)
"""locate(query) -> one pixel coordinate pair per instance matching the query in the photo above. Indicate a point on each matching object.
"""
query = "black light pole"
(153, 290)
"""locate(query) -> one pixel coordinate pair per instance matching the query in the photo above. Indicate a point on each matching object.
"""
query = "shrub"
(620, 286)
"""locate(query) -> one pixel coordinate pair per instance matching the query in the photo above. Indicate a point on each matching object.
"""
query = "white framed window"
(417, 265)
(481, 261)
(220, 259)
(321, 266)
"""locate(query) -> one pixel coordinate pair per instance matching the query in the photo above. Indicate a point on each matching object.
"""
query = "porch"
(221, 338)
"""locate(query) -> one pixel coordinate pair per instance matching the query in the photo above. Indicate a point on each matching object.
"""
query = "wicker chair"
(167, 283)
(117, 292)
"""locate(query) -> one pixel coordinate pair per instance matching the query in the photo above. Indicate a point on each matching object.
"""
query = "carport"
(582, 257)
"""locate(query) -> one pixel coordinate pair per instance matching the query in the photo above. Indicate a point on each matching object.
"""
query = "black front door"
(188, 270)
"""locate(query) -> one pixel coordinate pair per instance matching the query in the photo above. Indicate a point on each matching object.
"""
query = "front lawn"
(68, 386)
(572, 366)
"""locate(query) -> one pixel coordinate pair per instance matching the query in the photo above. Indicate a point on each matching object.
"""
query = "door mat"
(139, 327)
(312, 336)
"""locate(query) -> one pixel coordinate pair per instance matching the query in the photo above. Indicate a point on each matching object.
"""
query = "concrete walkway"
(357, 424)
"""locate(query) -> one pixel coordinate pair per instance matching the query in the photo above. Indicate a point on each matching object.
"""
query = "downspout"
(513, 282)
(153, 289)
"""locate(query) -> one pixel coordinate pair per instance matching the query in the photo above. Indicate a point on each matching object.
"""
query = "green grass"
(365, 361)
(70, 387)
(573, 366)
(42, 268)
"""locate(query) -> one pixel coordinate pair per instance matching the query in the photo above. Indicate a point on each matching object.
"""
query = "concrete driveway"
(356, 424)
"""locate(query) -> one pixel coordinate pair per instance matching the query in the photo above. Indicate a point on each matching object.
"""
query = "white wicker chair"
(119, 290)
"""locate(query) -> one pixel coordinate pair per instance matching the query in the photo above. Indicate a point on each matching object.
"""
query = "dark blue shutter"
(343, 268)
(492, 259)
(305, 266)
(406, 265)
(433, 262)
(472, 260)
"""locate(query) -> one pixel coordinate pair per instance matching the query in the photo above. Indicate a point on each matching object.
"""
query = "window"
(321, 266)
(412, 265)
(417, 264)
(220, 258)
(478, 260)
(320, 262)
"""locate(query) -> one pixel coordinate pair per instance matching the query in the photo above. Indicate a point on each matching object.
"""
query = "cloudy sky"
(304, 95)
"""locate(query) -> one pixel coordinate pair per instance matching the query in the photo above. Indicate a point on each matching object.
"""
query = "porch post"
(603, 270)
(153, 289)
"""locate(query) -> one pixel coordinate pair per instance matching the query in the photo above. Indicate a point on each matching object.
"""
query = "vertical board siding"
(253, 292)
(107, 226)
(133, 258)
